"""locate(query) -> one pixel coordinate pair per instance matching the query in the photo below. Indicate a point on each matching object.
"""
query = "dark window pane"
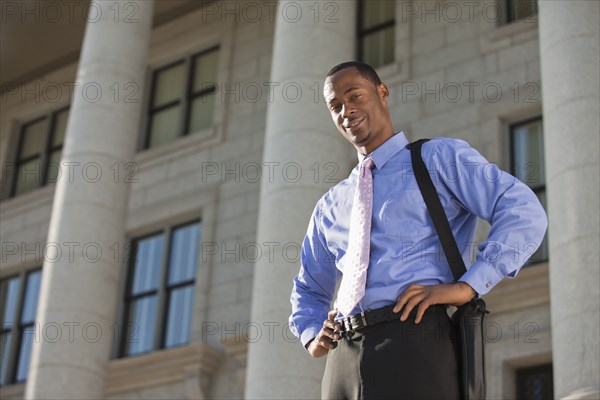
(29, 176)
(164, 126)
(27, 338)
(179, 318)
(60, 128)
(141, 320)
(169, 84)
(184, 254)
(542, 197)
(541, 253)
(521, 9)
(528, 153)
(6, 341)
(19, 333)
(147, 267)
(535, 383)
(32, 291)
(9, 292)
(376, 12)
(33, 138)
(529, 166)
(201, 112)
(378, 47)
(205, 71)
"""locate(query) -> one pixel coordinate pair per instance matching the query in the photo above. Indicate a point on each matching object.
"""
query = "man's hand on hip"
(323, 342)
(423, 296)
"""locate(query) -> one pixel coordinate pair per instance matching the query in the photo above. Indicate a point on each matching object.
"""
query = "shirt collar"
(386, 150)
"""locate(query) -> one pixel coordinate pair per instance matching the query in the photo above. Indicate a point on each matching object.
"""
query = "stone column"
(569, 36)
(78, 298)
(298, 130)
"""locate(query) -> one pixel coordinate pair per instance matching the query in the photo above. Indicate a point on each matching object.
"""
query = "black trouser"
(396, 360)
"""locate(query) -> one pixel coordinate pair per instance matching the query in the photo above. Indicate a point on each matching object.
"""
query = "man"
(396, 266)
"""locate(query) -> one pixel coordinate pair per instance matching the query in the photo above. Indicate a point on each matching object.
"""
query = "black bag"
(469, 317)
(468, 322)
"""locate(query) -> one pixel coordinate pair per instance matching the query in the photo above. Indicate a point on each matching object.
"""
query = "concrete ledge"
(508, 35)
(585, 393)
(10, 392)
(162, 367)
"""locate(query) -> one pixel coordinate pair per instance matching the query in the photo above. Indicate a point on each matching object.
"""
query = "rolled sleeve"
(309, 334)
(314, 285)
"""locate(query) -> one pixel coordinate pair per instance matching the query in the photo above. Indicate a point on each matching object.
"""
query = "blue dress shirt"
(405, 248)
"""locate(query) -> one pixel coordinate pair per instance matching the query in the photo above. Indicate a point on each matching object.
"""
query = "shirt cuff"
(309, 333)
(482, 277)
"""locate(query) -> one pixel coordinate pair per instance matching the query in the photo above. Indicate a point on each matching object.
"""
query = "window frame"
(186, 95)
(538, 188)
(523, 372)
(43, 156)
(363, 33)
(162, 291)
(129, 298)
(19, 327)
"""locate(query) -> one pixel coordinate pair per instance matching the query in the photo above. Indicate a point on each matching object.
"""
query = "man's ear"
(383, 92)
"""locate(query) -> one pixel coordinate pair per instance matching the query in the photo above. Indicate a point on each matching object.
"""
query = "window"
(516, 10)
(159, 297)
(18, 302)
(376, 32)
(527, 164)
(182, 98)
(535, 383)
(38, 153)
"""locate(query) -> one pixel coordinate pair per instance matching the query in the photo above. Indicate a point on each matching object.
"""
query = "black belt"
(368, 318)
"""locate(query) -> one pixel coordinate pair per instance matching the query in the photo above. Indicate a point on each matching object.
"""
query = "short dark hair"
(365, 70)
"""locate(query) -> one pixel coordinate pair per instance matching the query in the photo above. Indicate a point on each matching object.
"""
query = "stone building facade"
(160, 161)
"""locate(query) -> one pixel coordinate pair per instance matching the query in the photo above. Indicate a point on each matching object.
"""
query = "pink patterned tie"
(356, 259)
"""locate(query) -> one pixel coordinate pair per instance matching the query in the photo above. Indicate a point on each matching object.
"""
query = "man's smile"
(353, 125)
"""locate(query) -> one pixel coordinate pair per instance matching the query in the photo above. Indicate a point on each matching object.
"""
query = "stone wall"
(466, 78)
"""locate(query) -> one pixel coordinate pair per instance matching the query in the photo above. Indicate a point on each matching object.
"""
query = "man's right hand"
(323, 342)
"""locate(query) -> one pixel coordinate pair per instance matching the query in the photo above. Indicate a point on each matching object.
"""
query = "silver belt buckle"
(362, 319)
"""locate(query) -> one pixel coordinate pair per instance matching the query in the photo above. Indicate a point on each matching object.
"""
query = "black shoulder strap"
(436, 211)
